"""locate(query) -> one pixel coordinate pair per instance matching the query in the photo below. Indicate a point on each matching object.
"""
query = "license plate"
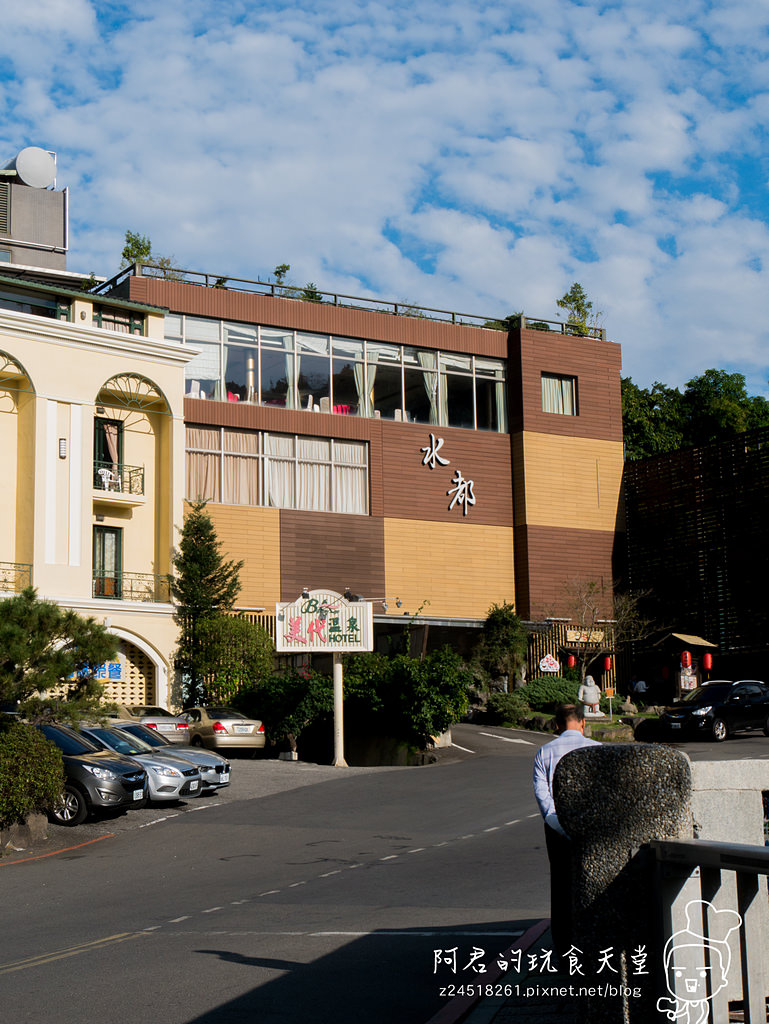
(675, 725)
(241, 728)
(225, 777)
(138, 794)
(166, 727)
(194, 785)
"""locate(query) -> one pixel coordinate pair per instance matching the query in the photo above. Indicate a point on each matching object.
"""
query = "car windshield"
(713, 693)
(117, 741)
(67, 741)
(223, 713)
(148, 736)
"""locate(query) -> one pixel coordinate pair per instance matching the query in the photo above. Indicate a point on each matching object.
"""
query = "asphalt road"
(324, 899)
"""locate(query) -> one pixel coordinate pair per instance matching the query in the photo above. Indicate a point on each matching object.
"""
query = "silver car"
(214, 769)
(173, 727)
(170, 777)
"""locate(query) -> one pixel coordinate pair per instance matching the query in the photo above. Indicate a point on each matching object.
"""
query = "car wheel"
(73, 808)
(719, 730)
(766, 727)
(197, 741)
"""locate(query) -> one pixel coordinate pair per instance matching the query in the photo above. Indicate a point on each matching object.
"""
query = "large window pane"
(385, 383)
(313, 371)
(241, 373)
(198, 329)
(490, 394)
(277, 371)
(420, 380)
(241, 481)
(202, 372)
(202, 482)
(458, 392)
(348, 383)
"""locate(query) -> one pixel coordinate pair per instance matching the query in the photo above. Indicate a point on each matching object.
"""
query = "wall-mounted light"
(384, 605)
(398, 602)
(305, 593)
(62, 447)
(82, 314)
(99, 518)
(100, 410)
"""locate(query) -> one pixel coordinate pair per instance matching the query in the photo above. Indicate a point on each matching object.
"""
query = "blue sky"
(471, 156)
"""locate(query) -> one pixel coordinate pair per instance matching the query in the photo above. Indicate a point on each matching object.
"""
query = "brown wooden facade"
(547, 492)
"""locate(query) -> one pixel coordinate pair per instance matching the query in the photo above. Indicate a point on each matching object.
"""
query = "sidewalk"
(516, 998)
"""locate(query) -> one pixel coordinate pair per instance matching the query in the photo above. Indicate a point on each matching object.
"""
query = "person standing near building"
(570, 729)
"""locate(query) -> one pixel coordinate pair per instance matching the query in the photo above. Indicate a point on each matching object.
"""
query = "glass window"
(347, 377)
(277, 368)
(559, 394)
(172, 327)
(384, 380)
(313, 371)
(490, 404)
(107, 561)
(420, 386)
(202, 372)
(457, 390)
(198, 329)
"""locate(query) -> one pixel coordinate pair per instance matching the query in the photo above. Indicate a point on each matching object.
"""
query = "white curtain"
(350, 478)
(279, 467)
(314, 476)
(558, 395)
(429, 363)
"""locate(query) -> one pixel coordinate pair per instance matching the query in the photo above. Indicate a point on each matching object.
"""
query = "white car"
(215, 770)
(169, 777)
(173, 727)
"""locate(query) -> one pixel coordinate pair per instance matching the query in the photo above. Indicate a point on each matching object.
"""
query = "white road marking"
(494, 828)
(270, 892)
(393, 856)
(507, 739)
(328, 874)
(211, 910)
(419, 849)
(466, 750)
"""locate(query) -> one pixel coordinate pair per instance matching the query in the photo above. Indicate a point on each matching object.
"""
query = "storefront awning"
(687, 638)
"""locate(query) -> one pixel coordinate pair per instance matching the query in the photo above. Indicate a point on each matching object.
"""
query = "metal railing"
(285, 291)
(132, 586)
(726, 875)
(118, 478)
(15, 576)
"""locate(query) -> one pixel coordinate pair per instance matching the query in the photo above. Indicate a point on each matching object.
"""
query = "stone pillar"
(611, 799)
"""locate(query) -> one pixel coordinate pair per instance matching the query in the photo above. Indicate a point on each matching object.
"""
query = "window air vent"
(5, 197)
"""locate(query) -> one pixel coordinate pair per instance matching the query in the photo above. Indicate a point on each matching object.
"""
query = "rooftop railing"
(285, 291)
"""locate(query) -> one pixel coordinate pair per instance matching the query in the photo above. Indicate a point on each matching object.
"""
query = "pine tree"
(205, 585)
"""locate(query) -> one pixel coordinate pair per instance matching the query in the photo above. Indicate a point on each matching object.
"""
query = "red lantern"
(607, 663)
(571, 661)
(707, 661)
(686, 659)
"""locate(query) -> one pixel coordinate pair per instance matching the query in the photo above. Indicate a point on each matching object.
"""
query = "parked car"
(173, 727)
(221, 728)
(214, 769)
(94, 778)
(719, 708)
(170, 777)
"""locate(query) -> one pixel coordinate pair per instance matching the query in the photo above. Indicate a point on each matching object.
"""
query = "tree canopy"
(43, 648)
(580, 310)
(712, 407)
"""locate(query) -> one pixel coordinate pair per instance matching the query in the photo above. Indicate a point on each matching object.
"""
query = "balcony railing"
(285, 291)
(132, 586)
(118, 478)
(15, 576)
(709, 865)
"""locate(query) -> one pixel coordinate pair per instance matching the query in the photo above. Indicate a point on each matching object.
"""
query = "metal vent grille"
(5, 208)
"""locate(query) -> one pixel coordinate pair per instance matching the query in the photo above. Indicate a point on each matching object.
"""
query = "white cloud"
(458, 155)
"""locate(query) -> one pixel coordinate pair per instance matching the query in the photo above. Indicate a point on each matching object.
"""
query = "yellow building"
(91, 443)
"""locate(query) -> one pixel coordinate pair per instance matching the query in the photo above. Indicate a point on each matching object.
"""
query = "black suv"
(720, 708)
(94, 778)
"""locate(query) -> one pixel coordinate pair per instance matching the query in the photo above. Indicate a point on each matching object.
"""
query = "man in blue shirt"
(570, 729)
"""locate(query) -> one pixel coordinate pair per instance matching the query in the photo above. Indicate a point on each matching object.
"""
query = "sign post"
(323, 622)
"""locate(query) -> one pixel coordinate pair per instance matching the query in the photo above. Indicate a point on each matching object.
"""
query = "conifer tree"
(205, 585)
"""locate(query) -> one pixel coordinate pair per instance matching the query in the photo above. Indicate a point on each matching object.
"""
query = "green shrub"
(31, 772)
(507, 708)
(546, 693)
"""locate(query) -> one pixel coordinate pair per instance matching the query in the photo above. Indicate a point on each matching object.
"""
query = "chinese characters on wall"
(462, 492)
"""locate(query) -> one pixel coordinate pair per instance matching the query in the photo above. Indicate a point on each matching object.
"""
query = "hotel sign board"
(323, 622)
(584, 636)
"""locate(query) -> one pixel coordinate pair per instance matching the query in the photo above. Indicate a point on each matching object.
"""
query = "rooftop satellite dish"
(34, 167)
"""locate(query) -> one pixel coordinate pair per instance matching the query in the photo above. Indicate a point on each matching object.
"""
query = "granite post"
(611, 799)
